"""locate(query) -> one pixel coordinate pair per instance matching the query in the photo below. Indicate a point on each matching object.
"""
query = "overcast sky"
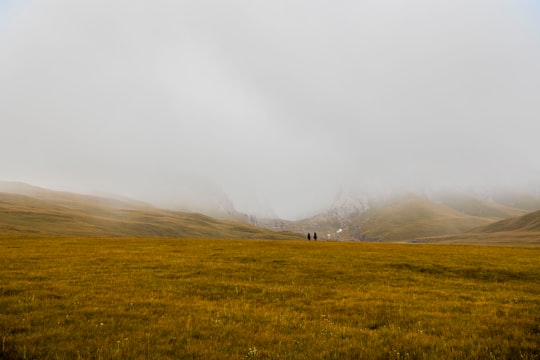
(272, 102)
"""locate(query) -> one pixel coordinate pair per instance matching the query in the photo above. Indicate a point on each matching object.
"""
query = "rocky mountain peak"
(347, 205)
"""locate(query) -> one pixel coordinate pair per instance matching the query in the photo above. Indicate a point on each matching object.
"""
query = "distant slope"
(49, 213)
(414, 217)
(521, 230)
(472, 205)
(398, 218)
(518, 199)
(525, 223)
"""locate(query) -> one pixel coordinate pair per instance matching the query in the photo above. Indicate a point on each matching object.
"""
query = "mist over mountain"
(27, 210)
(429, 216)
(408, 215)
(191, 194)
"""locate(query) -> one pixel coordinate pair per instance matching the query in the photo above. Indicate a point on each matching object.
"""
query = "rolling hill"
(518, 199)
(400, 218)
(529, 222)
(481, 207)
(442, 217)
(406, 217)
(28, 210)
(414, 217)
(521, 230)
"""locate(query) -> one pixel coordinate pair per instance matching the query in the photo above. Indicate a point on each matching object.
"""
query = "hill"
(28, 210)
(525, 223)
(405, 217)
(521, 230)
(413, 217)
(518, 199)
(476, 206)
(397, 218)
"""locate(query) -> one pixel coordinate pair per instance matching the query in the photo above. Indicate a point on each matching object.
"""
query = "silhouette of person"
(308, 236)
(314, 236)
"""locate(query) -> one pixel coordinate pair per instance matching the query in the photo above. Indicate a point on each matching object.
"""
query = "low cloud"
(278, 103)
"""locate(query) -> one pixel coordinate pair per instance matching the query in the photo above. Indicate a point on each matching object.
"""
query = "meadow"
(90, 298)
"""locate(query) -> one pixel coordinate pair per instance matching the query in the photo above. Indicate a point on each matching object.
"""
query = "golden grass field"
(83, 298)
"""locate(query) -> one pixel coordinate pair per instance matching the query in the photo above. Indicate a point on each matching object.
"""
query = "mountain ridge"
(394, 217)
(409, 216)
(29, 210)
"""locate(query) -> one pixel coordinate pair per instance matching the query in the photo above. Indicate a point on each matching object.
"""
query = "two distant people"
(314, 236)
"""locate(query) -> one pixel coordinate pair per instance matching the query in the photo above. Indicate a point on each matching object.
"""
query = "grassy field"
(80, 298)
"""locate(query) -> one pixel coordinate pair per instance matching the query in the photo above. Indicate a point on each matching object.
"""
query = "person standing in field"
(308, 236)
(314, 236)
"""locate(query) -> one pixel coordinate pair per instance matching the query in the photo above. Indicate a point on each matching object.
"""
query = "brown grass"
(69, 298)
(78, 215)
(528, 222)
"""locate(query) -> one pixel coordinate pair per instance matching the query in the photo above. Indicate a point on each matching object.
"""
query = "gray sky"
(274, 102)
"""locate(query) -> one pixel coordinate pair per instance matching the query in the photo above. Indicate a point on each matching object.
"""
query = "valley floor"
(65, 298)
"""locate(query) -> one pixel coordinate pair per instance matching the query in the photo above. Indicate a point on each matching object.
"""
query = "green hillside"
(49, 213)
